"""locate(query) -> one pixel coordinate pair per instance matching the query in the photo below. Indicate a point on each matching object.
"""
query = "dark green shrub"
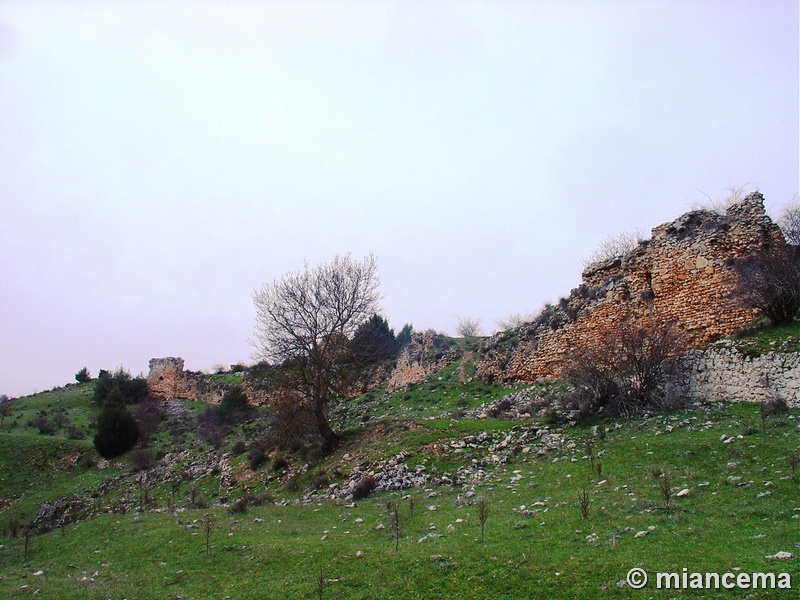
(83, 375)
(233, 402)
(404, 337)
(117, 431)
(130, 389)
(239, 447)
(373, 342)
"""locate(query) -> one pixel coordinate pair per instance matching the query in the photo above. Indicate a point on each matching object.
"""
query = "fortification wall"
(167, 379)
(683, 276)
(723, 372)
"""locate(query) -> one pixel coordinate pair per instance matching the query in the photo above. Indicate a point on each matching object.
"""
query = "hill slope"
(198, 521)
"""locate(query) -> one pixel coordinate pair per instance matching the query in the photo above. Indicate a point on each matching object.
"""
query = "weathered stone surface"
(167, 379)
(420, 358)
(722, 372)
(682, 275)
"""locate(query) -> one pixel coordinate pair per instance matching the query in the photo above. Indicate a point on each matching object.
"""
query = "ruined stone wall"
(425, 354)
(167, 379)
(683, 275)
(723, 372)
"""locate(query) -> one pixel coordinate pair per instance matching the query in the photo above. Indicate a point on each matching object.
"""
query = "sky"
(161, 160)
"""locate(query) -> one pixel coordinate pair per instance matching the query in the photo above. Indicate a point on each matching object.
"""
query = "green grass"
(762, 338)
(740, 508)
(449, 390)
(61, 408)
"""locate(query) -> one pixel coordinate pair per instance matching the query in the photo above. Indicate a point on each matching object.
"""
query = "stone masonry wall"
(683, 275)
(167, 379)
(724, 373)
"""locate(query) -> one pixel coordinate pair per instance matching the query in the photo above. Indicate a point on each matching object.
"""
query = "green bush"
(404, 337)
(373, 342)
(83, 375)
(117, 431)
(131, 389)
(234, 401)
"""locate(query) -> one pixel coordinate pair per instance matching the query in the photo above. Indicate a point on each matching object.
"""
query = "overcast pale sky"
(161, 160)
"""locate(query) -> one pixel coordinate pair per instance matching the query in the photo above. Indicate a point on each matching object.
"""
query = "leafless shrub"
(664, 487)
(75, 433)
(393, 516)
(363, 488)
(256, 456)
(468, 327)
(196, 500)
(583, 503)
(13, 527)
(482, 514)
(292, 424)
(793, 459)
(43, 424)
(769, 280)
(148, 418)
(733, 195)
(623, 370)
(321, 581)
(208, 527)
(775, 405)
(789, 221)
(279, 463)
(211, 429)
(142, 459)
(515, 321)
(615, 247)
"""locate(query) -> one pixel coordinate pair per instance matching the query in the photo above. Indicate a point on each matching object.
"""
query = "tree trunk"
(330, 439)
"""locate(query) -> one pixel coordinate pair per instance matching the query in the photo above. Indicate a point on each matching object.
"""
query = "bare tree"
(789, 221)
(306, 320)
(769, 280)
(468, 327)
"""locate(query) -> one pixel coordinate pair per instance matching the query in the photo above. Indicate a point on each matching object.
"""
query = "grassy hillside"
(182, 530)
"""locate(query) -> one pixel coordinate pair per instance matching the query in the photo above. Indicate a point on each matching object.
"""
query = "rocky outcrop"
(682, 275)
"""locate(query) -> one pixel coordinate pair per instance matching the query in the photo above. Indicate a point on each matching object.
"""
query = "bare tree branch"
(307, 319)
